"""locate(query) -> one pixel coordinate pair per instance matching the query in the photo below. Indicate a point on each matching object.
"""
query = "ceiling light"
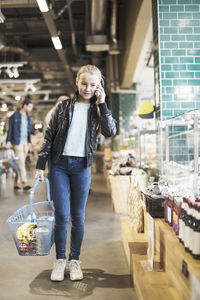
(17, 98)
(46, 97)
(4, 107)
(57, 43)
(15, 72)
(42, 5)
(32, 87)
(10, 73)
(2, 17)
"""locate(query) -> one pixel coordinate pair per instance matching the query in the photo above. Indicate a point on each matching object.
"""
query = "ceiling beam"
(138, 17)
(18, 3)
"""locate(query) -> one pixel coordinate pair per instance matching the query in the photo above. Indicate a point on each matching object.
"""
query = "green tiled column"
(178, 36)
(123, 107)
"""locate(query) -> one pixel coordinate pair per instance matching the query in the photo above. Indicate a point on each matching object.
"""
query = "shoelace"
(75, 265)
(58, 265)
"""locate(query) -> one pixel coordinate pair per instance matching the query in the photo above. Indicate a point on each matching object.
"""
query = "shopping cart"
(32, 225)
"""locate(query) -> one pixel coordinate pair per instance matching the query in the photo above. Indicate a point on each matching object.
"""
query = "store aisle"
(103, 261)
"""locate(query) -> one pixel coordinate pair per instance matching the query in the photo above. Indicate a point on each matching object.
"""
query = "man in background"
(18, 137)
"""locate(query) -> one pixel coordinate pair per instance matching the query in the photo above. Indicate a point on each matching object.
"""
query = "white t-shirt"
(75, 144)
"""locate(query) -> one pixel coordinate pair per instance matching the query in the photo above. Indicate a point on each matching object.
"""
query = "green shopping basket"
(32, 225)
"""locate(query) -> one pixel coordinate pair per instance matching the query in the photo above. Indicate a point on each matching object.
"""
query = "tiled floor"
(106, 274)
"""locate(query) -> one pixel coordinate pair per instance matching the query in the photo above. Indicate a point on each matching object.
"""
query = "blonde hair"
(90, 69)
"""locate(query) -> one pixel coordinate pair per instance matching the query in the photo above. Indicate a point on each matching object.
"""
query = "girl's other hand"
(39, 174)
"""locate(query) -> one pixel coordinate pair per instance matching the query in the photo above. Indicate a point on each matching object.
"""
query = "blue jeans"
(70, 180)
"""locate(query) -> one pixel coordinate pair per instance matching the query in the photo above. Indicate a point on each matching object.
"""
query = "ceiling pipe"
(72, 27)
(18, 3)
(113, 29)
(49, 20)
(98, 16)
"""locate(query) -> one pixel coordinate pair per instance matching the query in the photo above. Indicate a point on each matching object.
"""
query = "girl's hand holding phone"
(100, 94)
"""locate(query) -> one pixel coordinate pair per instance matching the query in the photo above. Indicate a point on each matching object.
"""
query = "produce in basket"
(25, 233)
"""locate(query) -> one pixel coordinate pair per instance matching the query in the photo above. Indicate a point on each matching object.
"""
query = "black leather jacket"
(56, 133)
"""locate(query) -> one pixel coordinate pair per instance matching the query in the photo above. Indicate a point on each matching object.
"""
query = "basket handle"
(37, 182)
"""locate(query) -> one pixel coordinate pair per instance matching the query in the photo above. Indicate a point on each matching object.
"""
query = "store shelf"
(149, 285)
(173, 256)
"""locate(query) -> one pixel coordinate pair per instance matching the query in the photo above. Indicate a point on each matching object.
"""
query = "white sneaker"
(58, 271)
(75, 270)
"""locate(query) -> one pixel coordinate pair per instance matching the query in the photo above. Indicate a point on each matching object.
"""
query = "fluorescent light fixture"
(17, 98)
(15, 72)
(2, 17)
(9, 73)
(42, 5)
(57, 43)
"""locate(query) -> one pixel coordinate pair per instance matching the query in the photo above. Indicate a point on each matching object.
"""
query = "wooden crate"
(132, 242)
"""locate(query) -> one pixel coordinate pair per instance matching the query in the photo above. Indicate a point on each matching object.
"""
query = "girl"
(70, 141)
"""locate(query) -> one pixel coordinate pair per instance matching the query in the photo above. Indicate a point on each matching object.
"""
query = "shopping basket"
(32, 225)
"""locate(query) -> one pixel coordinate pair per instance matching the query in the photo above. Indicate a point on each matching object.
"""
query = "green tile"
(197, 45)
(178, 112)
(162, 45)
(196, 16)
(164, 37)
(175, 8)
(194, 67)
(170, 90)
(162, 60)
(167, 112)
(188, 104)
(193, 23)
(171, 30)
(194, 82)
(167, 97)
(196, 29)
(163, 75)
(165, 52)
(184, 1)
(170, 16)
(164, 8)
(186, 59)
(164, 22)
(186, 74)
(178, 52)
(185, 16)
(160, 16)
(196, 1)
(166, 82)
(185, 29)
(173, 104)
(186, 45)
(193, 52)
(172, 74)
(197, 74)
(169, 60)
(169, 2)
(197, 60)
(166, 67)
(174, 22)
(193, 37)
(179, 67)
(178, 37)
(179, 82)
(171, 45)
(161, 30)
(191, 8)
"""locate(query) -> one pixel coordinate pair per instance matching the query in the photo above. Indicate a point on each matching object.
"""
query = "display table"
(166, 280)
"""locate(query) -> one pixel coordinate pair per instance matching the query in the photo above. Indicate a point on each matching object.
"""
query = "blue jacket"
(14, 129)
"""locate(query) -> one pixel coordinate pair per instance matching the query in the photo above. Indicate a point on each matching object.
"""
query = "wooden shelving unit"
(167, 281)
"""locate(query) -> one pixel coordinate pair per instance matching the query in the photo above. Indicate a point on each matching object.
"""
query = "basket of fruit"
(32, 225)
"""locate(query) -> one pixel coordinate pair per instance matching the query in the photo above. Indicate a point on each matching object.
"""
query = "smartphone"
(97, 93)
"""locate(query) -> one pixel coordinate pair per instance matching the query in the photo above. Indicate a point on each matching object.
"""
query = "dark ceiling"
(88, 30)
